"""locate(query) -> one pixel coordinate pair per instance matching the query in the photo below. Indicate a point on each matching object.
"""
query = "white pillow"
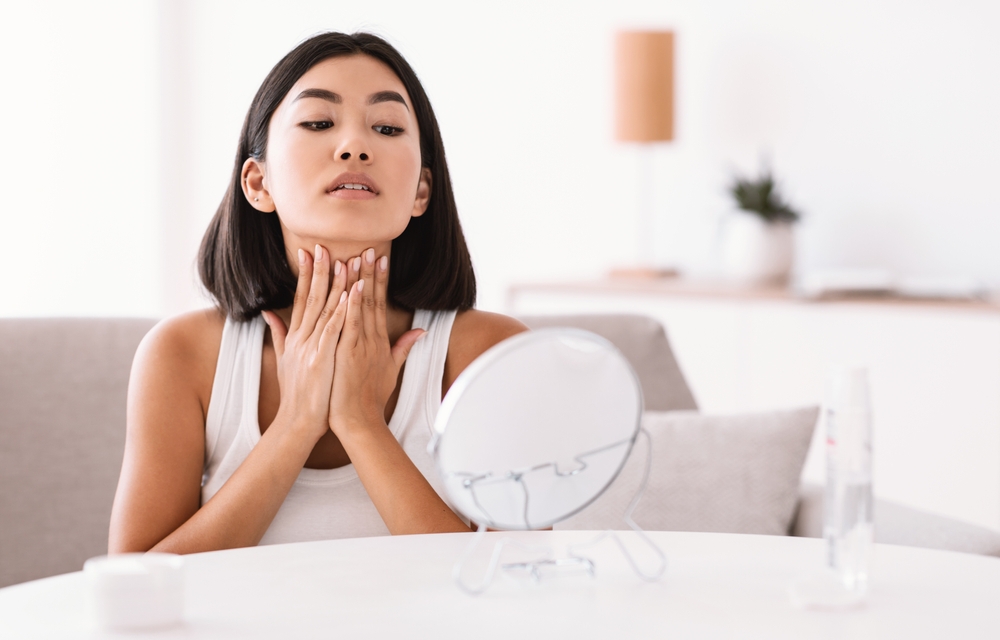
(728, 474)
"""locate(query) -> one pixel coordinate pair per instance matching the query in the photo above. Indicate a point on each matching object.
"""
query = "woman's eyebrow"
(322, 94)
(330, 96)
(387, 96)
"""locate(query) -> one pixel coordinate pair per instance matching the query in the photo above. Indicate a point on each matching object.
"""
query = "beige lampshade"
(644, 86)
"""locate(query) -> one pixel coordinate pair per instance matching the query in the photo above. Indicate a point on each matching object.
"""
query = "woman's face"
(342, 165)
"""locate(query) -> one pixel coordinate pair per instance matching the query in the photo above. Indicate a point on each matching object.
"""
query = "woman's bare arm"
(160, 483)
(158, 502)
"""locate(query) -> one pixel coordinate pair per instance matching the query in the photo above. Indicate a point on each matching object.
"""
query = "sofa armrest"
(898, 524)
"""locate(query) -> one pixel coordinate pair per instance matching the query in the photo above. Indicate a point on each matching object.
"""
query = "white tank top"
(323, 503)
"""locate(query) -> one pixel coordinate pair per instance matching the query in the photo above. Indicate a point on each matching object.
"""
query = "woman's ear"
(252, 181)
(423, 193)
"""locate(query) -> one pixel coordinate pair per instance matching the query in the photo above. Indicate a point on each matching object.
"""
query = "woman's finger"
(353, 323)
(332, 302)
(341, 283)
(318, 287)
(381, 288)
(353, 273)
(368, 293)
(278, 331)
(402, 347)
(331, 332)
(301, 289)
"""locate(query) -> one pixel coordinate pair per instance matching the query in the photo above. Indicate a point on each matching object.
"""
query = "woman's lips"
(347, 192)
(353, 186)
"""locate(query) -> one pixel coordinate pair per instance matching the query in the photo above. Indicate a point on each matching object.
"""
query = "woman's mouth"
(353, 186)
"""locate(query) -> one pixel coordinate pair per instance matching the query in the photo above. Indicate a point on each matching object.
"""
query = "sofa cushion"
(63, 384)
(719, 473)
(898, 524)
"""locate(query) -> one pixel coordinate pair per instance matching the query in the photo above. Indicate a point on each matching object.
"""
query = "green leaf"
(760, 196)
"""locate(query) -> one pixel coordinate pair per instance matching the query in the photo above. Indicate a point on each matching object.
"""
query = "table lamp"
(644, 114)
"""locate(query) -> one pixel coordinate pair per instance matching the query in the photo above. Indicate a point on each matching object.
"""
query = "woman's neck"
(342, 251)
(398, 321)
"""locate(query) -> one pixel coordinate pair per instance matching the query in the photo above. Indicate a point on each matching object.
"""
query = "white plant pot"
(757, 252)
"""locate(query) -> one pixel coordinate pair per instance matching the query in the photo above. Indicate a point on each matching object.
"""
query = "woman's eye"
(387, 130)
(317, 125)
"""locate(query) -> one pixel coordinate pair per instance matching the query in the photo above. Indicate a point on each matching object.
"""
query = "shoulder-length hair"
(242, 260)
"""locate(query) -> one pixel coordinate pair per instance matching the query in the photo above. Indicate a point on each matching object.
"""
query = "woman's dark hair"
(242, 258)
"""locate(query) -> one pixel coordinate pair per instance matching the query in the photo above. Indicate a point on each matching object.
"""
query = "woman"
(286, 413)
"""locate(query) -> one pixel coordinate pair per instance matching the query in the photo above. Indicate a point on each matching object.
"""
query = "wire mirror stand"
(548, 562)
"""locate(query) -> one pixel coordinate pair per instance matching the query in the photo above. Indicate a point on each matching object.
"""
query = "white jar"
(133, 591)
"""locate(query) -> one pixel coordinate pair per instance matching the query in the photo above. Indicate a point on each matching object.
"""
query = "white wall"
(79, 123)
(120, 122)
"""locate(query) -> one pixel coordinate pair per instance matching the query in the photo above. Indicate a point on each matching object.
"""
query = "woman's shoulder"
(472, 333)
(188, 334)
(183, 349)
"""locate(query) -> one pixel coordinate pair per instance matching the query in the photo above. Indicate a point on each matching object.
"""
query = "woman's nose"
(352, 144)
(347, 156)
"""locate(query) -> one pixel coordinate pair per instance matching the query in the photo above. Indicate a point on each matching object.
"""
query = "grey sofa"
(63, 387)
(62, 437)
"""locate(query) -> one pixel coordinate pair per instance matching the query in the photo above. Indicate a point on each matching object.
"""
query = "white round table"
(716, 586)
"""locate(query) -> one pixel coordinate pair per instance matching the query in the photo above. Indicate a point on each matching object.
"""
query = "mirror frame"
(498, 352)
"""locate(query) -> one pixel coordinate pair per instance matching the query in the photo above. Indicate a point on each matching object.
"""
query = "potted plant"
(758, 243)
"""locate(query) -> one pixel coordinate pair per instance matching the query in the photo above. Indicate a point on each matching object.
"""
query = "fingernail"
(370, 256)
(316, 253)
(343, 296)
(383, 263)
(302, 256)
(361, 285)
(357, 264)
(336, 268)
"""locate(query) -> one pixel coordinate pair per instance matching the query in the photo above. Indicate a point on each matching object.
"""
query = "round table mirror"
(536, 428)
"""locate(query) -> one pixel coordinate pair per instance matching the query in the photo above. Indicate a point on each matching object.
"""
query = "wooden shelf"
(692, 288)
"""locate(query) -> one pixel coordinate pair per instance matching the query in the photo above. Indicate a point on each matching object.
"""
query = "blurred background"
(120, 119)
(119, 122)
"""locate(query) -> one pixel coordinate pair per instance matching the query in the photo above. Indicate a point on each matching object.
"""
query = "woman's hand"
(367, 365)
(306, 349)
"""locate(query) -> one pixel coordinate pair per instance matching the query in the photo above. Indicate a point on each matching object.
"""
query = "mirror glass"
(536, 428)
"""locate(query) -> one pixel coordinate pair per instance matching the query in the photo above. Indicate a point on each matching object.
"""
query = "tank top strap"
(431, 353)
(239, 361)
